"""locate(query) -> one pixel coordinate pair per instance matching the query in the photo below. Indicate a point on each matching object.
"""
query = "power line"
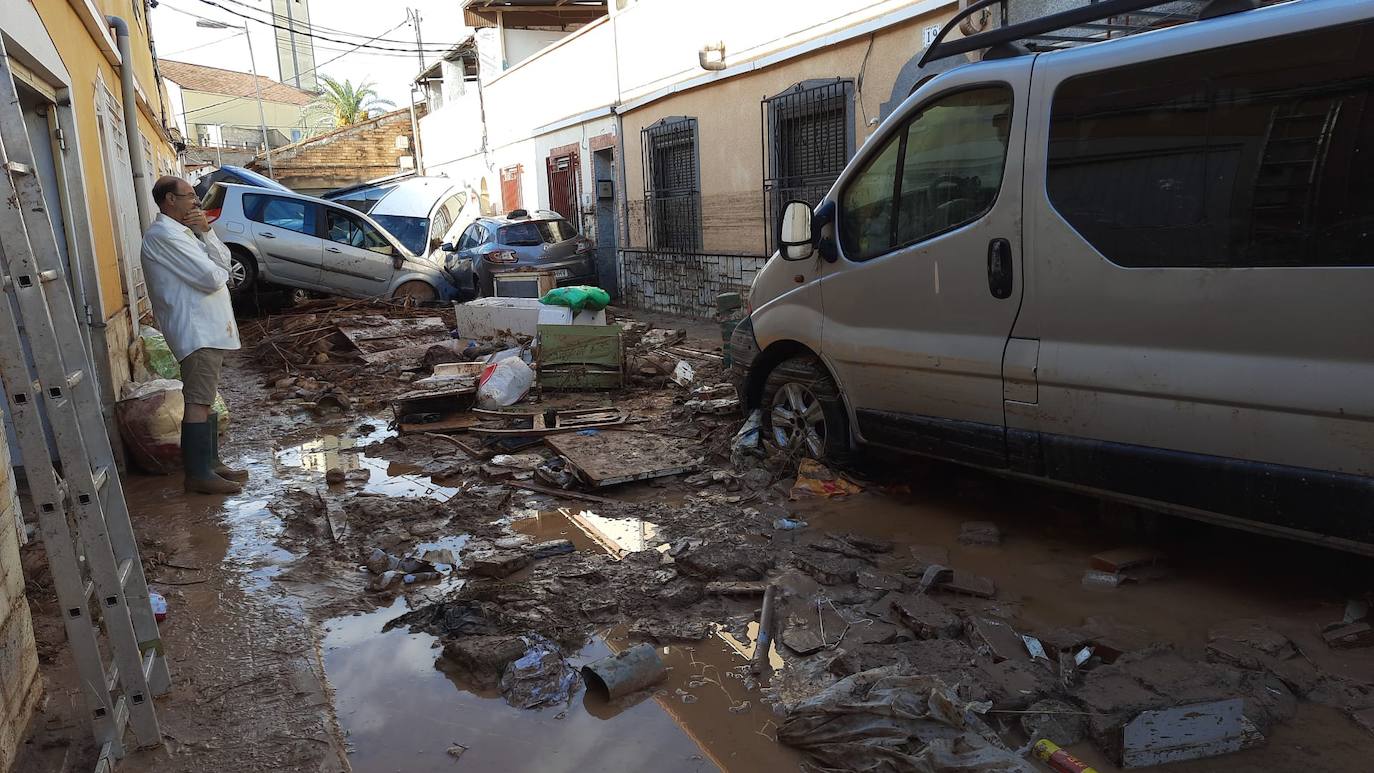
(306, 72)
(312, 26)
(410, 50)
(206, 45)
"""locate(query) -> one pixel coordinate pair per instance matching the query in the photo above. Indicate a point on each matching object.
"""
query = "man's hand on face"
(196, 221)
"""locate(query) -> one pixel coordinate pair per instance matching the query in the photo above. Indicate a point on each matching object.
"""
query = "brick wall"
(346, 156)
(19, 682)
(683, 283)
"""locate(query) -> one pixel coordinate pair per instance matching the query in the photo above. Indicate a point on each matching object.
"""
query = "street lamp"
(210, 24)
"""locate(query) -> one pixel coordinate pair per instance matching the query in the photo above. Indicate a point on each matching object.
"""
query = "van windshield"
(409, 231)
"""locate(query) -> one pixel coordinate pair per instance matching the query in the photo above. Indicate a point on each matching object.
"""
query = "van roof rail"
(1066, 28)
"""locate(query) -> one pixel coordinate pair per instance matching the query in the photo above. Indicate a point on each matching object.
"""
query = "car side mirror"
(397, 261)
(448, 247)
(794, 231)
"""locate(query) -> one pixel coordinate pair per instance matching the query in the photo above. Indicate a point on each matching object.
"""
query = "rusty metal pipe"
(764, 642)
(625, 672)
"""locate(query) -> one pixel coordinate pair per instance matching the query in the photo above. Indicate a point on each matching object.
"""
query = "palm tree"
(343, 104)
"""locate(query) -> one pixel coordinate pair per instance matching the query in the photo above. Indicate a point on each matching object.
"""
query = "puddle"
(589, 531)
(401, 712)
(329, 451)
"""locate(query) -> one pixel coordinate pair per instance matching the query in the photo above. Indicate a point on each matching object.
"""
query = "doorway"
(607, 224)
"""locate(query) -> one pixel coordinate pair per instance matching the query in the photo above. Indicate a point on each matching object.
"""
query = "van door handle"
(332, 249)
(269, 236)
(999, 268)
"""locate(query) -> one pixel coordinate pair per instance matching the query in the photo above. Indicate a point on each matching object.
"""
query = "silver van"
(301, 242)
(1141, 268)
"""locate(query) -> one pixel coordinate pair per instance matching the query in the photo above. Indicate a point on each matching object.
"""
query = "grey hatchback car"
(519, 241)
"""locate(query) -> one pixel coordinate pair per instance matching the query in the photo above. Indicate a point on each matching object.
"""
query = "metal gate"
(808, 137)
(564, 188)
(672, 202)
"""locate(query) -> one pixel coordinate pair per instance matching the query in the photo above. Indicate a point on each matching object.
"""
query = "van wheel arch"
(787, 362)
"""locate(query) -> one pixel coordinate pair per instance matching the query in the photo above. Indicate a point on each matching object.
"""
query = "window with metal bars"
(808, 137)
(672, 200)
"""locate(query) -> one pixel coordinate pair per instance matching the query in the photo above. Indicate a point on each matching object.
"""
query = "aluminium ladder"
(80, 504)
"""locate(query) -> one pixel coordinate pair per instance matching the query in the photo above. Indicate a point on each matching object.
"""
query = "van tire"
(803, 381)
(242, 264)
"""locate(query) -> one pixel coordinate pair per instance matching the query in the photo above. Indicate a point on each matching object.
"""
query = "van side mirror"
(794, 232)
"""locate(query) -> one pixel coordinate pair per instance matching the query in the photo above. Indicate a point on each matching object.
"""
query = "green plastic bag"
(162, 362)
(578, 298)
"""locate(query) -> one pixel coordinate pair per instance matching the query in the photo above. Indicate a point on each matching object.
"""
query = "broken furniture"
(443, 409)
(607, 458)
(580, 357)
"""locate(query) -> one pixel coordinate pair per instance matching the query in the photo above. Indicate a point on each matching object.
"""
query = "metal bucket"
(625, 672)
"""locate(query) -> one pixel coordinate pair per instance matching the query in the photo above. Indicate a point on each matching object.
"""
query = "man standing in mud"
(186, 267)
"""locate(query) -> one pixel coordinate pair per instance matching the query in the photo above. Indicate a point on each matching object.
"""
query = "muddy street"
(381, 601)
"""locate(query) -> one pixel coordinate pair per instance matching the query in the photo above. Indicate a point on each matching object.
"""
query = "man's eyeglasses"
(192, 195)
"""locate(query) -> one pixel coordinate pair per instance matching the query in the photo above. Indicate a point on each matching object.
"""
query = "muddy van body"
(1142, 268)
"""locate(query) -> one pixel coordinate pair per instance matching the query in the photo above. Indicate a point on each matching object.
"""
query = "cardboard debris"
(815, 479)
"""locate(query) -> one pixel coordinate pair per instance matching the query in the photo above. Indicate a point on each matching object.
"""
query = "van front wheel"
(802, 411)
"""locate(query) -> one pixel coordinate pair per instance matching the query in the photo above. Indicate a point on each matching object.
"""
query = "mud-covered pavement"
(282, 659)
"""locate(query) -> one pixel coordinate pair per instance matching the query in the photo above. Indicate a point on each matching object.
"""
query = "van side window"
(1253, 155)
(941, 170)
(290, 214)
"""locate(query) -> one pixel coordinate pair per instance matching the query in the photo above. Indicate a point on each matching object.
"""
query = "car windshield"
(409, 231)
(537, 232)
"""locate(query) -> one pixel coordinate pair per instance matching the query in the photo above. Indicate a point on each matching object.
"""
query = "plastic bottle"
(1057, 758)
(159, 605)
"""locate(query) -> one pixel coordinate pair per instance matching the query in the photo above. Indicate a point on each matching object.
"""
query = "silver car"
(301, 242)
(1141, 268)
(520, 241)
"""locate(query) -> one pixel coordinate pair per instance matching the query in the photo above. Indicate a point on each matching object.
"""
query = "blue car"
(520, 241)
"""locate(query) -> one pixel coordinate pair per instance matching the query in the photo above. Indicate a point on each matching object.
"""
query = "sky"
(441, 25)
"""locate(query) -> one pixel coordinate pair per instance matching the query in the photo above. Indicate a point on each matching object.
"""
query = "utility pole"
(414, 15)
(257, 87)
(262, 114)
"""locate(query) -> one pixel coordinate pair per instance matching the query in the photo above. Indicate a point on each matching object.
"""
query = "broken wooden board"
(453, 422)
(376, 333)
(1190, 732)
(524, 423)
(611, 458)
(411, 354)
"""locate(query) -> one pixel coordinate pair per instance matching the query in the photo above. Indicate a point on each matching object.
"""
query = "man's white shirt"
(186, 278)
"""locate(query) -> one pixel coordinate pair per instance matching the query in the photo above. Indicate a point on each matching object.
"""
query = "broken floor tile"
(719, 560)
(997, 637)
(874, 580)
(970, 584)
(926, 617)
(1349, 636)
(979, 533)
(498, 563)
(827, 568)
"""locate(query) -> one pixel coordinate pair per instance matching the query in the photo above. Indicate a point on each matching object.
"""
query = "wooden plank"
(610, 458)
(453, 423)
(1190, 732)
(553, 492)
(406, 354)
(370, 333)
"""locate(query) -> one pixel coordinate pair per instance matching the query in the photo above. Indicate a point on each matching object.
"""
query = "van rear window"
(536, 232)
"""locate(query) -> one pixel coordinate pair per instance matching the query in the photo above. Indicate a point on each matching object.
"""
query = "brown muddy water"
(400, 711)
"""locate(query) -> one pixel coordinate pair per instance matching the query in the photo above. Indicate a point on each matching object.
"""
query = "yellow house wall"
(87, 64)
(729, 130)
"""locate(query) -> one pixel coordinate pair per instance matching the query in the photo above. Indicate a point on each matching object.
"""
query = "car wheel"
(802, 411)
(415, 290)
(243, 274)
